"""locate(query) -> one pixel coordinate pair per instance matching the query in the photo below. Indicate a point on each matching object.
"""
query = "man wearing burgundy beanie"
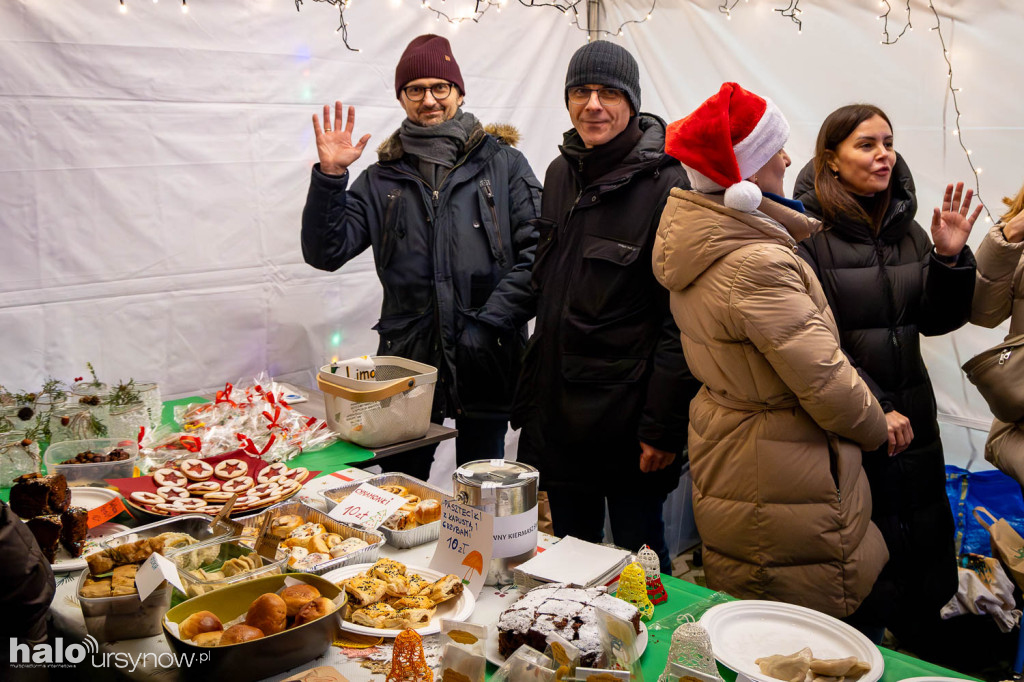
(449, 211)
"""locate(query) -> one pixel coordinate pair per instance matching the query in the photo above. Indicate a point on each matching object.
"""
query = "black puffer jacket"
(604, 368)
(885, 291)
(454, 263)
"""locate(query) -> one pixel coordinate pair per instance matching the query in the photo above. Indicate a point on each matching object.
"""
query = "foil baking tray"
(401, 539)
(366, 555)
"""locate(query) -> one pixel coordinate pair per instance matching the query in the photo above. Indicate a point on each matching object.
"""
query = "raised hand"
(334, 143)
(951, 226)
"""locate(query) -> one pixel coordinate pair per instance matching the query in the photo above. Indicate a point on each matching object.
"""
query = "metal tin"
(401, 539)
(366, 555)
(109, 619)
(508, 490)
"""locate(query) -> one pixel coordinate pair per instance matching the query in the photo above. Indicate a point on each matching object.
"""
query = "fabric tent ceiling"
(155, 163)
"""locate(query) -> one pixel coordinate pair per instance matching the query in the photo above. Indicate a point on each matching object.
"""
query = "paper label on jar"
(516, 534)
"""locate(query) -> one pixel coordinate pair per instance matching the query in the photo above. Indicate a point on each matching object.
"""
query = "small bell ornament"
(633, 589)
(648, 558)
(691, 647)
(408, 663)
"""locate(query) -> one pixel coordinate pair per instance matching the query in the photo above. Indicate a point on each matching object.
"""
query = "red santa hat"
(726, 140)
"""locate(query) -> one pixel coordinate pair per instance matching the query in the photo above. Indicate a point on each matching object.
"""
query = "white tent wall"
(154, 164)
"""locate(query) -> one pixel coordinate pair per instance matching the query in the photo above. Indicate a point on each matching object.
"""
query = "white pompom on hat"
(726, 139)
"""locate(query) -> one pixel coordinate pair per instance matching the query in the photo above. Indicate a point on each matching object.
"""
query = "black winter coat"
(454, 263)
(604, 368)
(26, 581)
(885, 291)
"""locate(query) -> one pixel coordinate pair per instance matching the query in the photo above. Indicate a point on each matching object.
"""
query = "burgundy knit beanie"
(427, 56)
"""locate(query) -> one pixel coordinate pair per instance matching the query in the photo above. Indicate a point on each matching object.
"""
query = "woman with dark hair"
(999, 294)
(887, 285)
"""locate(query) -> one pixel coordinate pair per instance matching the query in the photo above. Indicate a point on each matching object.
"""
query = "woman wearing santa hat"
(887, 284)
(780, 498)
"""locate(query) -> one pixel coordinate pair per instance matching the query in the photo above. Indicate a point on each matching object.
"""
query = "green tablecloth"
(682, 594)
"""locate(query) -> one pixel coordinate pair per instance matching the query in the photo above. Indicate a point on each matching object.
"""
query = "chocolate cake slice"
(36, 495)
(46, 529)
(569, 612)
(76, 528)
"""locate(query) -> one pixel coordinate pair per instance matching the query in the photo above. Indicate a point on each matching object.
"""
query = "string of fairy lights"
(474, 11)
(124, 6)
(439, 8)
(793, 12)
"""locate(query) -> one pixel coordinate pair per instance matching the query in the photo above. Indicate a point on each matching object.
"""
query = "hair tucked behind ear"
(836, 201)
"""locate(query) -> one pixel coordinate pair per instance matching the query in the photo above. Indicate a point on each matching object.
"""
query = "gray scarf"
(437, 147)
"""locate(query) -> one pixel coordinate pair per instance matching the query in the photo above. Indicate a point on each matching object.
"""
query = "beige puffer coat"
(780, 498)
(998, 294)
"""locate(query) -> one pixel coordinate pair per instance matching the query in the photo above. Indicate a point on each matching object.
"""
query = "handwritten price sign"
(104, 512)
(367, 506)
(466, 544)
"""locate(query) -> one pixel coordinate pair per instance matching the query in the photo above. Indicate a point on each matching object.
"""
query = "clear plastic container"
(92, 474)
(212, 555)
(124, 617)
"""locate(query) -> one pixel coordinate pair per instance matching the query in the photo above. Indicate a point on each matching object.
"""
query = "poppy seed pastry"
(566, 611)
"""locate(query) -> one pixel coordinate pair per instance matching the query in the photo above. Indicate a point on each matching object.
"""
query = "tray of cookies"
(309, 540)
(107, 593)
(417, 522)
(202, 486)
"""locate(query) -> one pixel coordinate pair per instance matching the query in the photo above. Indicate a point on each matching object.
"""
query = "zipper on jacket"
(894, 338)
(489, 195)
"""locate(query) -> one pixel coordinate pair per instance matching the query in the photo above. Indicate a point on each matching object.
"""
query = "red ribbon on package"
(225, 395)
(191, 443)
(105, 512)
(273, 418)
(250, 446)
(142, 433)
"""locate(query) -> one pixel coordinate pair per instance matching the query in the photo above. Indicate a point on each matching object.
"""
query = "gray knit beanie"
(605, 63)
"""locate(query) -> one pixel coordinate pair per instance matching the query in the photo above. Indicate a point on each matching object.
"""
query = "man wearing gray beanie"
(448, 210)
(604, 394)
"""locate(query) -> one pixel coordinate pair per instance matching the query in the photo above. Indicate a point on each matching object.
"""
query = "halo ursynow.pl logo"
(56, 655)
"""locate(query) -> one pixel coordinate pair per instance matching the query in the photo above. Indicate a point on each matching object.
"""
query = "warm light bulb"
(124, 7)
(184, 7)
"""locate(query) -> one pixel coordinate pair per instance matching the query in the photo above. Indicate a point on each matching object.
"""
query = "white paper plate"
(90, 498)
(743, 631)
(64, 562)
(492, 654)
(457, 609)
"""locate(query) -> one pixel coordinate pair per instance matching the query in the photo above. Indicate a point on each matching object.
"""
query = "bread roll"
(269, 613)
(427, 511)
(208, 638)
(318, 608)
(236, 634)
(297, 596)
(199, 622)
